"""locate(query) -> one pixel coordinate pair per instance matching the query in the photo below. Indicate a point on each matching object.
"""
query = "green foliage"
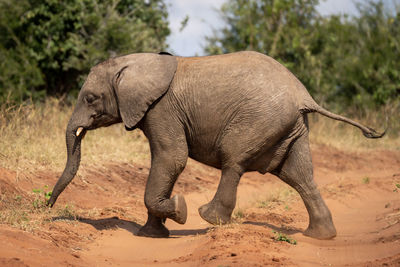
(41, 197)
(282, 237)
(263, 26)
(342, 60)
(365, 180)
(46, 46)
(397, 188)
(360, 58)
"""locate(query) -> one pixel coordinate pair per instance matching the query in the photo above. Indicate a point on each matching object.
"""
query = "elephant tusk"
(78, 132)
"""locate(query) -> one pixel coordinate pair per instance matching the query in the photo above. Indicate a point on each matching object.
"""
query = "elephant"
(237, 112)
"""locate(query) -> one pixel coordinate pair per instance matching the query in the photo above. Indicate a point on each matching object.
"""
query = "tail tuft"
(373, 134)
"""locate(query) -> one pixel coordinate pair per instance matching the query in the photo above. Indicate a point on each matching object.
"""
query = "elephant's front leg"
(165, 169)
(154, 227)
(220, 208)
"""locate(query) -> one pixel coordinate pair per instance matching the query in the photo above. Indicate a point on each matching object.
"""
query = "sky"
(204, 17)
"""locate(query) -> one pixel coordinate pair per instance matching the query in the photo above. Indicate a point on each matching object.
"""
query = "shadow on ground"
(189, 232)
(283, 229)
(133, 227)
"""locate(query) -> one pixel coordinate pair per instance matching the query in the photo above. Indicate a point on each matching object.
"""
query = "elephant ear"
(142, 79)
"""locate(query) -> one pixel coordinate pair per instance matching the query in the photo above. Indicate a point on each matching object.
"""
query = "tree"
(282, 29)
(261, 25)
(376, 73)
(359, 58)
(342, 60)
(47, 45)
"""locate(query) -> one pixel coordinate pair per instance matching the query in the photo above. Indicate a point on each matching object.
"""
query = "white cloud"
(330, 7)
(203, 17)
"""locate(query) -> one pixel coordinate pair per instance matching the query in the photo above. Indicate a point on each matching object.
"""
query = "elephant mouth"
(82, 128)
(80, 132)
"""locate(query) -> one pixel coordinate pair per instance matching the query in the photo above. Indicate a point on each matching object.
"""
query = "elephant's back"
(245, 74)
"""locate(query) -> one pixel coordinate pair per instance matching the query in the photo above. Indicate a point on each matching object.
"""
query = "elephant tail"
(368, 132)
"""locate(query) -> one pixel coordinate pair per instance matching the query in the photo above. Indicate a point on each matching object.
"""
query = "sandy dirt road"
(359, 188)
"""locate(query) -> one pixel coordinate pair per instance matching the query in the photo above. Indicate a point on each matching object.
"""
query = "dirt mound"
(95, 220)
(240, 245)
(12, 262)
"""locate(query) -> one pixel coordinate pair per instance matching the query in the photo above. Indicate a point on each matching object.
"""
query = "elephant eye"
(90, 98)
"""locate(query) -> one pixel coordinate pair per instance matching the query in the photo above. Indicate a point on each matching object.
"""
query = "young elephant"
(237, 112)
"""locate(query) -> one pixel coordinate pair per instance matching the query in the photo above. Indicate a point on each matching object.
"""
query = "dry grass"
(346, 137)
(28, 212)
(33, 136)
(282, 195)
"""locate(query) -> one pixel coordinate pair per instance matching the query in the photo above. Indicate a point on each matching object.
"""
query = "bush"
(47, 46)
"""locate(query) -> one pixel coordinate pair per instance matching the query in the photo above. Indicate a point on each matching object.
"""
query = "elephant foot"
(180, 215)
(180, 209)
(321, 231)
(154, 228)
(160, 232)
(215, 214)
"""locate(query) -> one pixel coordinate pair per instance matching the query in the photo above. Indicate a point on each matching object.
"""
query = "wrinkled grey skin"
(237, 112)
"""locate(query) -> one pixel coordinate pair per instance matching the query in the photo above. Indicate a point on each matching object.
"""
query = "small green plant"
(41, 197)
(18, 198)
(397, 188)
(239, 214)
(365, 180)
(282, 237)
(263, 204)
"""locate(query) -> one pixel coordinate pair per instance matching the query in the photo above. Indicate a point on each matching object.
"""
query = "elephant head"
(118, 90)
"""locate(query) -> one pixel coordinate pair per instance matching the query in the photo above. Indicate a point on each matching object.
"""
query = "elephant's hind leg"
(220, 208)
(297, 171)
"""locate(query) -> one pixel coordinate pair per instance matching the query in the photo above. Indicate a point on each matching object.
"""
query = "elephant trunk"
(73, 143)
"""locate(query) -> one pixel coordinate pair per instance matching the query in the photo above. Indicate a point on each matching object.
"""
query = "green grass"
(41, 197)
(284, 238)
(397, 188)
(365, 180)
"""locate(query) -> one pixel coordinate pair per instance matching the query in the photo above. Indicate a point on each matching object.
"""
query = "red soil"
(359, 188)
